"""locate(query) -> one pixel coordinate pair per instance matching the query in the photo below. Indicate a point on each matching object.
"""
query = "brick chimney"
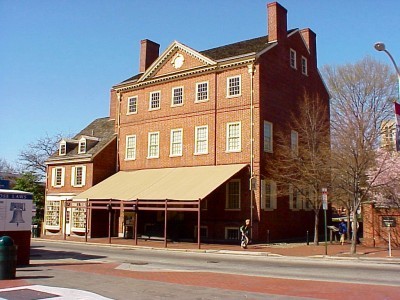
(310, 38)
(277, 22)
(149, 52)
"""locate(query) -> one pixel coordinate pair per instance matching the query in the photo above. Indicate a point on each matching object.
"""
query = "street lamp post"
(381, 47)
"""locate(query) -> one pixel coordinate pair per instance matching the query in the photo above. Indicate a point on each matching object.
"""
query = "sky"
(60, 58)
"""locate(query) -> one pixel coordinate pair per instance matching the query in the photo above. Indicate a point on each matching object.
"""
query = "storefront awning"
(187, 183)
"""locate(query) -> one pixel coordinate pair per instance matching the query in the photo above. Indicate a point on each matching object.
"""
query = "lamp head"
(380, 46)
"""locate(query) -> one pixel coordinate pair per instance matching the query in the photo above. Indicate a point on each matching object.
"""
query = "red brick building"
(187, 110)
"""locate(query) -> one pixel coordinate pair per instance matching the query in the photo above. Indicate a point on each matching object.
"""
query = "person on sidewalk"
(342, 231)
(244, 230)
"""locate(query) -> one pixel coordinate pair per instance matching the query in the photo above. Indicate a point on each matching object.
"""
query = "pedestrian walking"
(342, 231)
(244, 230)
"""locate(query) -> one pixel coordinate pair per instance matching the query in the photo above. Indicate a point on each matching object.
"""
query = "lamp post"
(379, 46)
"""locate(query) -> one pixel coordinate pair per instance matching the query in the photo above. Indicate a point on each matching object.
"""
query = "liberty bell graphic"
(17, 209)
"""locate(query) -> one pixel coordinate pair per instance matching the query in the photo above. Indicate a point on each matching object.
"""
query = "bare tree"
(33, 157)
(361, 99)
(6, 167)
(306, 166)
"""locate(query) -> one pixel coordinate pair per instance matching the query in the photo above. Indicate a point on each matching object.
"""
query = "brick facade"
(269, 89)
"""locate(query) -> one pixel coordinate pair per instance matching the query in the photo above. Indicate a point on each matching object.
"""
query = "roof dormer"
(82, 146)
(62, 149)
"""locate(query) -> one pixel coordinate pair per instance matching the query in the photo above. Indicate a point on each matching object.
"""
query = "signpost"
(389, 222)
(325, 207)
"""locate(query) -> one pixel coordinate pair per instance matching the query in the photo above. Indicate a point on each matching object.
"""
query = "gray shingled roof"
(102, 131)
(236, 49)
(254, 45)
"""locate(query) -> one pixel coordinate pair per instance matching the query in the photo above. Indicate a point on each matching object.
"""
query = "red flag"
(397, 112)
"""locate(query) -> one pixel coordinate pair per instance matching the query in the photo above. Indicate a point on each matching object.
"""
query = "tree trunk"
(353, 249)
(316, 222)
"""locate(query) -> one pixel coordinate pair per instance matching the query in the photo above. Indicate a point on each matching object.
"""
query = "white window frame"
(294, 198)
(201, 92)
(174, 142)
(62, 150)
(151, 100)
(228, 200)
(268, 140)
(307, 200)
(268, 195)
(294, 141)
(130, 149)
(74, 176)
(229, 84)
(227, 229)
(304, 66)
(156, 145)
(132, 103)
(293, 59)
(54, 175)
(229, 138)
(173, 104)
(197, 140)
(82, 146)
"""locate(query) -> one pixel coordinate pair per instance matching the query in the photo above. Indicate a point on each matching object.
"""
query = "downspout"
(215, 118)
(251, 72)
(118, 128)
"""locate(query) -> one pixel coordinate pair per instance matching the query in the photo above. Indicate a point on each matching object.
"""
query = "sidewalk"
(333, 250)
(67, 278)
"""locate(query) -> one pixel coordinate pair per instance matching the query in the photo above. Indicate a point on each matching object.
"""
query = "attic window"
(304, 68)
(63, 148)
(82, 146)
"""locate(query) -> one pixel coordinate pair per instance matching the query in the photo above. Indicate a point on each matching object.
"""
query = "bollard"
(308, 239)
(8, 258)
(268, 236)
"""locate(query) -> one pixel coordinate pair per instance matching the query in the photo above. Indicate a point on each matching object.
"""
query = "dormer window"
(82, 146)
(63, 148)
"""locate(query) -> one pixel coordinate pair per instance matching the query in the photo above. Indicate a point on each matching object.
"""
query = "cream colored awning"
(187, 183)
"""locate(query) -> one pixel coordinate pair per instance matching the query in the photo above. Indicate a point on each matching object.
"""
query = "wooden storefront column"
(64, 219)
(135, 222)
(198, 222)
(86, 220)
(165, 222)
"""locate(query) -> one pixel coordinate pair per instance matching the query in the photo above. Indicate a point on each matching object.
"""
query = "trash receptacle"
(8, 258)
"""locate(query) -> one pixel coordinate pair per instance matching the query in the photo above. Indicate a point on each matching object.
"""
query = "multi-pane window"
(130, 147)
(78, 176)
(293, 59)
(233, 86)
(232, 233)
(294, 198)
(201, 140)
(294, 142)
(304, 69)
(58, 175)
(201, 91)
(52, 217)
(132, 105)
(233, 194)
(268, 194)
(79, 216)
(177, 96)
(176, 142)
(82, 146)
(233, 140)
(63, 148)
(155, 99)
(154, 145)
(268, 137)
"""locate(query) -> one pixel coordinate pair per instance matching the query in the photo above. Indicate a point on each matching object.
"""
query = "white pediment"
(176, 55)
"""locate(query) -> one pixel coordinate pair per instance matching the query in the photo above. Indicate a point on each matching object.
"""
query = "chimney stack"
(149, 52)
(310, 38)
(277, 22)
